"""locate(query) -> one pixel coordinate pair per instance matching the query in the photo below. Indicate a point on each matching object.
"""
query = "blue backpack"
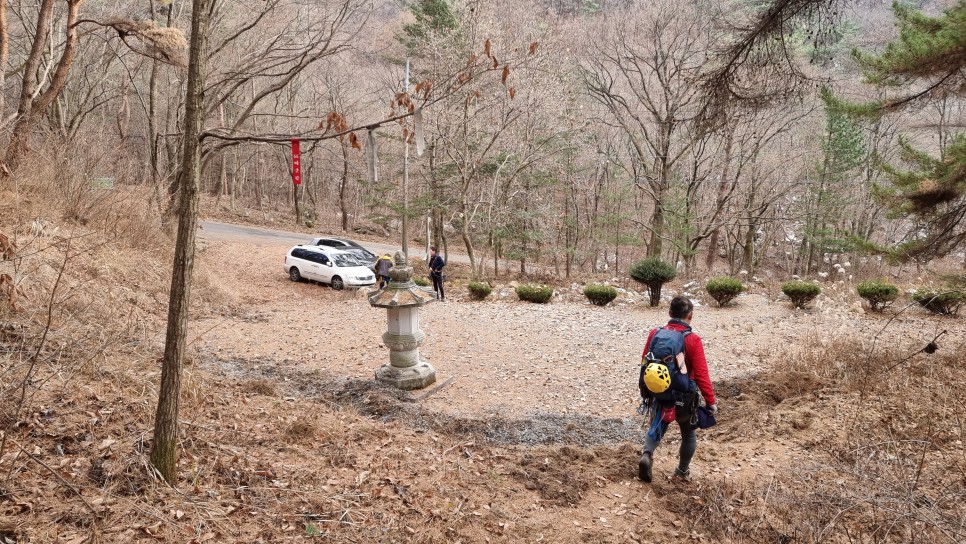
(659, 367)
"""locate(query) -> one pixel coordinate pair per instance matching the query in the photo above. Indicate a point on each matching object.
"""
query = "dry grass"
(301, 430)
(886, 466)
(259, 387)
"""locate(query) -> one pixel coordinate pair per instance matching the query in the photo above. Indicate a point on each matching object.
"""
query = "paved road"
(211, 230)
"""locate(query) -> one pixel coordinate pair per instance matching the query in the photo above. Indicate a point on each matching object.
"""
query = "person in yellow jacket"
(381, 268)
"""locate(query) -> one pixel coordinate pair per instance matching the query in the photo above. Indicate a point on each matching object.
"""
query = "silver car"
(349, 246)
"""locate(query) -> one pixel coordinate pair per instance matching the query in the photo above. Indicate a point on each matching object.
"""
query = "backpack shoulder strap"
(647, 345)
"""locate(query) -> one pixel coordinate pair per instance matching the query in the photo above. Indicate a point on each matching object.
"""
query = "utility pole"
(405, 210)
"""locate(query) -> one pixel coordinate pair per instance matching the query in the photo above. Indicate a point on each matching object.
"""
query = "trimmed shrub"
(944, 301)
(422, 282)
(801, 292)
(600, 295)
(880, 294)
(724, 289)
(479, 290)
(540, 294)
(654, 273)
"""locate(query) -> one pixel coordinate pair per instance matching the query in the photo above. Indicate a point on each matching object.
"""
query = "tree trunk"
(657, 226)
(437, 205)
(4, 52)
(655, 292)
(722, 195)
(17, 145)
(164, 449)
(465, 234)
(343, 185)
(33, 105)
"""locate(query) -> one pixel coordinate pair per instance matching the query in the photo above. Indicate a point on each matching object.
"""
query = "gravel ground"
(507, 359)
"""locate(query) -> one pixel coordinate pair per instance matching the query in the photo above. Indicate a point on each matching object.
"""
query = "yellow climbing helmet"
(657, 378)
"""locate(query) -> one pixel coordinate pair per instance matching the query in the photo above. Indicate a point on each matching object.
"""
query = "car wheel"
(337, 283)
(293, 274)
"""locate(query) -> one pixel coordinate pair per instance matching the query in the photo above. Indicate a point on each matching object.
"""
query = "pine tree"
(930, 52)
(932, 190)
(843, 151)
(432, 17)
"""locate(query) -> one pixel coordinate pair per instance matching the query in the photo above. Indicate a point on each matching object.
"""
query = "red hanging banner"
(296, 162)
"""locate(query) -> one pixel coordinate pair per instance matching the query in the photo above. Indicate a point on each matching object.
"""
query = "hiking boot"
(681, 476)
(644, 467)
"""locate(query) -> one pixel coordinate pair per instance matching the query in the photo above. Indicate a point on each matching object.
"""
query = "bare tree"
(645, 74)
(164, 448)
(35, 96)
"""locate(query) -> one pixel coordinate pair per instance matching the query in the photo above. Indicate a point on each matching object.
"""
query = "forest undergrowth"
(874, 427)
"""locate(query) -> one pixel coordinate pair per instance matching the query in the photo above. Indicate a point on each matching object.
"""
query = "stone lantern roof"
(401, 292)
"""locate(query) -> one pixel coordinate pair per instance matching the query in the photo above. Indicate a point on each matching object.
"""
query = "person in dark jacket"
(436, 264)
(382, 267)
(682, 311)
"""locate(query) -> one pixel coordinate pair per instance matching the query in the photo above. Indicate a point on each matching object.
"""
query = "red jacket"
(693, 357)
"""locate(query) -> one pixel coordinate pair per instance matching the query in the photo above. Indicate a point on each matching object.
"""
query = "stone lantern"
(402, 299)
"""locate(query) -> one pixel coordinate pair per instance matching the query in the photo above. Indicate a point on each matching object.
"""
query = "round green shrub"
(654, 273)
(879, 293)
(479, 290)
(540, 294)
(422, 282)
(944, 301)
(724, 289)
(801, 292)
(600, 295)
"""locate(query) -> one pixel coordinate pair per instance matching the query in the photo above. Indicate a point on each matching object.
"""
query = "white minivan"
(326, 265)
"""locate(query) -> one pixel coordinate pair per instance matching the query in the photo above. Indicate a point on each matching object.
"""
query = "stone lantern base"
(411, 377)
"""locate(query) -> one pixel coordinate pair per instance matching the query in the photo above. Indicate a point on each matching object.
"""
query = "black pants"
(437, 278)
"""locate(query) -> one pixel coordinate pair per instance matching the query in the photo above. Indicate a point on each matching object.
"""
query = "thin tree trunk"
(164, 449)
(465, 234)
(657, 226)
(722, 195)
(4, 52)
(343, 190)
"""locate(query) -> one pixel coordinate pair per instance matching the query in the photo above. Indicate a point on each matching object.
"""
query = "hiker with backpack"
(673, 370)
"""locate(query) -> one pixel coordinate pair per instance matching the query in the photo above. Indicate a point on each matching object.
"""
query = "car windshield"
(361, 254)
(346, 260)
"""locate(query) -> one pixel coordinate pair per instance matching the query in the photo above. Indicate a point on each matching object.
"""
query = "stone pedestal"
(402, 299)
